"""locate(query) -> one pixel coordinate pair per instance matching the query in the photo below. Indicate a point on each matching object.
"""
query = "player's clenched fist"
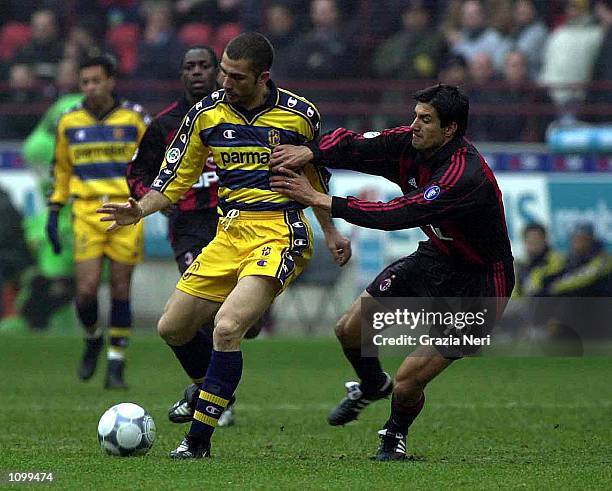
(290, 157)
(120, 213)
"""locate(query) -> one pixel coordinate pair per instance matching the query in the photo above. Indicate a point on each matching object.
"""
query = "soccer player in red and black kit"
(192, 222)
(452, 195)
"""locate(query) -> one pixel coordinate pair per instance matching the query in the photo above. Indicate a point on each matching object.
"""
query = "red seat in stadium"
(123, 40)
(13, 36)
(195, 33)
(224, 34)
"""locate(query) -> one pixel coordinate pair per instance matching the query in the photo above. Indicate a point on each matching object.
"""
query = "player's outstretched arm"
(339, 246)
(132, 211)
(292, 157)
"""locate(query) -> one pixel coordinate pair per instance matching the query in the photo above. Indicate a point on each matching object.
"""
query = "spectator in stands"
(22, 91)
(450, 26)
(516, 90)
(454, 71)
(281, 29)
(110, 13)
(218, 12)
(601, 93)
(500, 15)
(477, 37)
(412, 53)
(569, 56)
(323, 52)
(539, 263)
(483, 97)
(82, 42)
(159, 48)
(45, 49)
(528, 34)
(587, 270)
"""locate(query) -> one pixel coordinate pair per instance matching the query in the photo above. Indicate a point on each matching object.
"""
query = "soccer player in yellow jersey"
(263, 239)
(94, 143)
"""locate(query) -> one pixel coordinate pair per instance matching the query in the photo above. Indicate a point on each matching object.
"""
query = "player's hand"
(290, 157)
(52, 231)
(339, 246)
(293, 185)
(120, 213)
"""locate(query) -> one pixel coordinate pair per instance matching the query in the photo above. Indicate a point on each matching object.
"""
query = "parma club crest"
(118, 133)
(273, 138)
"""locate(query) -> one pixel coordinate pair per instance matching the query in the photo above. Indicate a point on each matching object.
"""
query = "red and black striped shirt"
(452, 196)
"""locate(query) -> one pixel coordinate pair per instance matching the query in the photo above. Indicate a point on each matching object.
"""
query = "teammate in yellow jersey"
(94, 143)
(263, 239)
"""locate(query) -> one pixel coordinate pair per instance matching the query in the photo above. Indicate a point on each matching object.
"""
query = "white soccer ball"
(126, 429)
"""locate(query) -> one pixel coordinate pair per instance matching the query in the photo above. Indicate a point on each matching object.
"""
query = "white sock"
(95, 334)
(115, 354)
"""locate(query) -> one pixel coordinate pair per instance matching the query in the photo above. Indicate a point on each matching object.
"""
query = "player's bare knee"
(347, 332)
(171, 332)
(120, 290)
(340, 327)
(87, 290)
(227, 334)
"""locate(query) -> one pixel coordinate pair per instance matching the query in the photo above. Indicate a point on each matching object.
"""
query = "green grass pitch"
(535, 423)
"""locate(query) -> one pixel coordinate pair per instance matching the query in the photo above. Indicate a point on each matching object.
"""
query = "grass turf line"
(489, 422)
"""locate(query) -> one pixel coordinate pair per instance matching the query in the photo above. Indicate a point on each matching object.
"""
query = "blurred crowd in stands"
(524, 63)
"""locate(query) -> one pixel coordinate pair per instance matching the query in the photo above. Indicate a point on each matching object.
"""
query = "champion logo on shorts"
(262, 263)
(385, 284)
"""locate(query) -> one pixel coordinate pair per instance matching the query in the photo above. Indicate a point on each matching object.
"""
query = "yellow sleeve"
(61, 170)
(318, 177)
(184, 160)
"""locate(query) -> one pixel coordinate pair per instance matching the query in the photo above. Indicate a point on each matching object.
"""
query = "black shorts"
(190, 232)
(422, 275)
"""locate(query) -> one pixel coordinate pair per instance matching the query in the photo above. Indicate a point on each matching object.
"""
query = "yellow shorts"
(91, 240)
(263, 243)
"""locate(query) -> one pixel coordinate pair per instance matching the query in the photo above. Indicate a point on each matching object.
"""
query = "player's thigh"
(121, 278)
(89, 235)
(213, 274)
(244, 306)
(183, 315)
(87, 274)
(348, 327)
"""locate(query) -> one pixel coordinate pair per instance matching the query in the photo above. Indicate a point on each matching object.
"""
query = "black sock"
(195, 355)
(120, 329)
(368, 370)
(87, 312)
(403, 415)
(220, 383)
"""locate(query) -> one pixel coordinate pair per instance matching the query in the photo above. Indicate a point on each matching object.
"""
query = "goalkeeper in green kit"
(51, 286)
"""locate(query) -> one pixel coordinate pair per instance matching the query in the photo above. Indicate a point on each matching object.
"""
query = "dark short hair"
(208, 49)
(534, 227)
(451, 104)
(253, 47)
(105, 61)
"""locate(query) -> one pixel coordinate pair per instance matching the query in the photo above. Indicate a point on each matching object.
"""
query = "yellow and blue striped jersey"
(91, 154)
(241, 142)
